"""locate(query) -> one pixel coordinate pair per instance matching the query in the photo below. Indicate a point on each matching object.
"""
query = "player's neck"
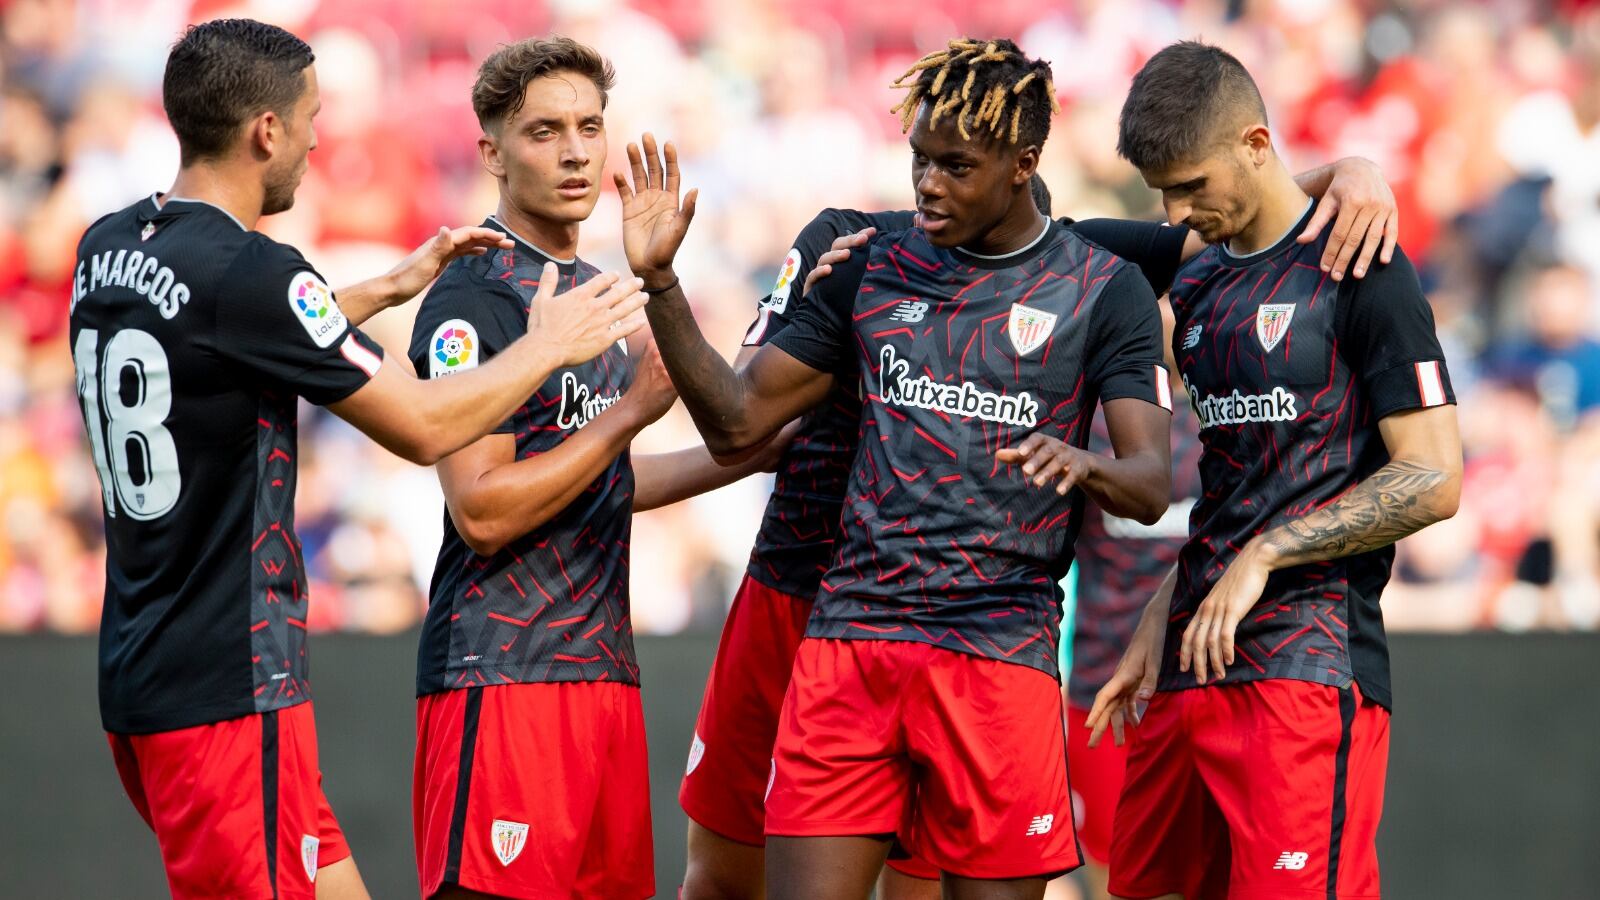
(1022, 225)
(1282, 205)
(557, 240)
(240, 197)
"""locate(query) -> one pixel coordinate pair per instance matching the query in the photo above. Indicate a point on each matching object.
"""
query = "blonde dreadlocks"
(1002, 76)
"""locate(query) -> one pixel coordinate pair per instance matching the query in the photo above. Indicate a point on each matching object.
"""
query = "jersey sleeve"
(819, 333)
(1125, 342)
(459, 325)
(776, 309)
(278, 319)
(1155, 248)
(1386, 335)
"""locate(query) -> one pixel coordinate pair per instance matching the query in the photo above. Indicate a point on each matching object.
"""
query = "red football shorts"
(1096, 783)
(534, 790)
(1265, 790)
(963, 757)
(237, 805)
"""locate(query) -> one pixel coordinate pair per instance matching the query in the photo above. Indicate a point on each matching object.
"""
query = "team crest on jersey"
(1272, 323)
(779, 300)
(314, 307)
(1029, 328)
(455, 348)
(149, 229)
(697, 752)
(308, 855)
(508, 839)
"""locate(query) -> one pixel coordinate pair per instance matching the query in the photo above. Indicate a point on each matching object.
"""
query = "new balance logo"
(909, 311)
(1041, 824)
(1288, 860)
(1191, 337)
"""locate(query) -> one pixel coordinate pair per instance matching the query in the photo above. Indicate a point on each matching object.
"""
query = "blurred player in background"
(532, 778)
(193, 335)
(1328, 433)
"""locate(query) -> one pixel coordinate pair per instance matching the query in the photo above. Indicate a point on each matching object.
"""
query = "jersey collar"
(1283, 242)
(161, 206)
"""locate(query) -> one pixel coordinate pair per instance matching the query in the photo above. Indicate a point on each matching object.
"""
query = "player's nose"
(1178, 213)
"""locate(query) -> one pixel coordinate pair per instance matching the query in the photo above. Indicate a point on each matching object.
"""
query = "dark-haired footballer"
(193, 335)
(532, 776)
(729, 766)
(923, 699)
(1328, 432)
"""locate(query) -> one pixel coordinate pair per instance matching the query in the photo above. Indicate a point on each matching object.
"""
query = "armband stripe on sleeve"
(1163, 388)
(359, 356)
(1430, 387)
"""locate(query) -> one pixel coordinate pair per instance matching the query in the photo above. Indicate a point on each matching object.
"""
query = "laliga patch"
(508, 839)
(1272, 323)
(308, 855)
(313, 306)
(1029, 328)
(455, 348)
(779, 299)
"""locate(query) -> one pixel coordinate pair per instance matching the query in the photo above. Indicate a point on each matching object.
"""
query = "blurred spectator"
(1485, 116)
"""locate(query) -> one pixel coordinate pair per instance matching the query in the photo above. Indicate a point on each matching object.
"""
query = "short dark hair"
(223, 73)
(1180, 101)
(990, 87)
(503, 78)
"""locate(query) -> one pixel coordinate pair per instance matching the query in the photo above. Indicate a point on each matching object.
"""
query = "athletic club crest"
(1272, 323)
(508, 839)
(1029, 328)
(308, 855)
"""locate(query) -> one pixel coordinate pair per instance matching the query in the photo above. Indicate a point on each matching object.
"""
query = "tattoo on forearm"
(1382, 509)
(708, 385)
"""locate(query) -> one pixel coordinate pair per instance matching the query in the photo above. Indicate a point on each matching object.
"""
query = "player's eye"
(958, 168)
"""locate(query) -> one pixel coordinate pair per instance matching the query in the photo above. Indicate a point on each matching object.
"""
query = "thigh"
(528, 763)
(1287, 764)
(228, 817)
(839, 764)
(1167, 834)
(823, 868)
(730, 758)
(619, 856)
(992, 797)
(722, 869)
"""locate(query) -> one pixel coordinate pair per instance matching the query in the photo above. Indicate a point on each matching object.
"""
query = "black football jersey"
(795, 543)
(1121, 562)
(551, 605)
(192, 337)
(958, 356)
(1289, 373)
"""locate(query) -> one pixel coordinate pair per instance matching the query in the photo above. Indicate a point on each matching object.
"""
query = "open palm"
(653, 221)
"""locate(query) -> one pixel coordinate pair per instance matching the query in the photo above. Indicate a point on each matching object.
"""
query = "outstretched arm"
(1420, 485)
(425, 421)
(365, 299)
(662, 479)
(734, 410)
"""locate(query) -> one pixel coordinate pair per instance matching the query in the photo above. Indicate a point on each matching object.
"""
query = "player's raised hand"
(651, 393)
(1045, 459)
(653, 221)
(583, 322)
(425, 263)
(1208, 640)
(837, 253)
(1367, 218)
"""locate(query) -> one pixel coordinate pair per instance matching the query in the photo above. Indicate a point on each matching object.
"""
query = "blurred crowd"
(1484, 115)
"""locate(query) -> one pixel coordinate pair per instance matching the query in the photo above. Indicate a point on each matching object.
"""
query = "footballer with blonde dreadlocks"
(923, 701)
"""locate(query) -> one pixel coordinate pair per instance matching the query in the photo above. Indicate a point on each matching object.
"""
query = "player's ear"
(489, 155)
(265, 134)
(1257, 140)
(1027, 165)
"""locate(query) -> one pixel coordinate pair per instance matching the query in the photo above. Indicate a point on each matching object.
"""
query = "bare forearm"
(511, 500)
(1137, 487)
(711, 390)
(662, 479)
(1399, 499)
(363, 300)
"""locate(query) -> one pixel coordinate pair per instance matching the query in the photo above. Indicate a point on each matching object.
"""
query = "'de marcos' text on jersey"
(192, 338)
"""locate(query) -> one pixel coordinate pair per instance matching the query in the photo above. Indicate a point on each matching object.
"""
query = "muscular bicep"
(780, 388)
(1137, 427)
(1427, 437)
(461, 471)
